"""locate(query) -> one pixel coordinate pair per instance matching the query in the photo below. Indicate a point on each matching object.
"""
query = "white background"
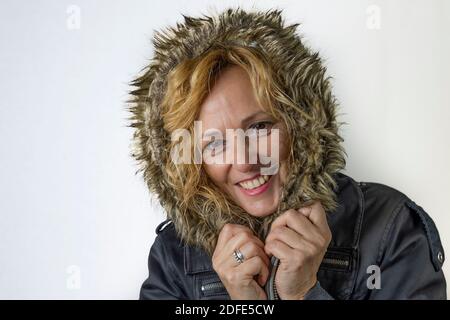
(76, 222)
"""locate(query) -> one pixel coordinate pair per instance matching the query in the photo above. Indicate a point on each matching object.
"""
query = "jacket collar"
(345, 224)
(346, 221)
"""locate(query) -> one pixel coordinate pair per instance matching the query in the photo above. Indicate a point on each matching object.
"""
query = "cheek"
(217, 173)
(278, 147)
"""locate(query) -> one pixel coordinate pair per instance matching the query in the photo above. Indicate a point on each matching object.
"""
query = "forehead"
(230, 101)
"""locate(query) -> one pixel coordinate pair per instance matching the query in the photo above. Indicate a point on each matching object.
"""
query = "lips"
(256, 185)
(254, 182)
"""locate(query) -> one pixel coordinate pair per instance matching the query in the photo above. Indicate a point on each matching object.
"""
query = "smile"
(255, 186)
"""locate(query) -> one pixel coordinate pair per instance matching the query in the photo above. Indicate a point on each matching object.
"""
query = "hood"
(317, 148)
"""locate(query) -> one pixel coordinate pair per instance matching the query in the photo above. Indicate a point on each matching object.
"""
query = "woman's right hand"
(239, 278)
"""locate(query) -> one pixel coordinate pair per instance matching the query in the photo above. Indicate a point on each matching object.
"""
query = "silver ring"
(238, 256)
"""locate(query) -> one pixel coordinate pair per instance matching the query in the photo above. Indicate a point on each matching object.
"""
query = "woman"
(275, 219)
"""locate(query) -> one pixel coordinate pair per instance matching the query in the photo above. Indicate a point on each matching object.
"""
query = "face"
(231, 104)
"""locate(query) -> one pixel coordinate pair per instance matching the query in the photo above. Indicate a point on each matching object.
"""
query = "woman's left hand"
(299, 238)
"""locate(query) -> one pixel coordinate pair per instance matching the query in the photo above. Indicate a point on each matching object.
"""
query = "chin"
(260, 213)
(261, 201)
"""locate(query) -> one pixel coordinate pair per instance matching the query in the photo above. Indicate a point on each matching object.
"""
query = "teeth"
(261, 180)
(255, 182)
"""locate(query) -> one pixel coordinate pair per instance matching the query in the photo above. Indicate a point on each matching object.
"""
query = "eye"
(216, 145)
(267, 125)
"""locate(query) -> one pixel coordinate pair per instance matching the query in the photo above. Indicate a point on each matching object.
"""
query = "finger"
(316, 214)
(251, 249)
(254, 267)
(240, 238)
(279, 249)
(238, 242)
(297, 222)
(263, 275)
(228, 231)
(286, 235)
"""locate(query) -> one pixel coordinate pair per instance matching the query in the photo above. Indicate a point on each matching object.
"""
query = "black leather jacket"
(374, 226)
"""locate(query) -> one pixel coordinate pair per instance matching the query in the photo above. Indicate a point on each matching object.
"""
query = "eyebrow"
(252, 116)
(244, 121)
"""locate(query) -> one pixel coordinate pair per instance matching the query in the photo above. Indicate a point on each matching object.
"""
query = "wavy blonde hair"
(188, 84)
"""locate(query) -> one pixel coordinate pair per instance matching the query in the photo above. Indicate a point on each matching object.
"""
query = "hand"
(299, 238)
(239, 278)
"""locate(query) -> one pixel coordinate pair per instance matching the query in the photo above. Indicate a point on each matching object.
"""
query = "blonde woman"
(276, 219)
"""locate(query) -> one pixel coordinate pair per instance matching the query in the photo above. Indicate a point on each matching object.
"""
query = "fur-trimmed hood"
(317, 149)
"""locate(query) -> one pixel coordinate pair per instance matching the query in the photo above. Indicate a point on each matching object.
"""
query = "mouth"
(255, 186)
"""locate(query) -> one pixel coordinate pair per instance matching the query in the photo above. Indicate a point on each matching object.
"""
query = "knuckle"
(243, 228)
(275, 231)
(245, 236)
(253, 247)
(257, 259)
(311, 250)
(291, 213)
(228, 278)
(272, 245)
(216, 267)
(227, 228)
(322, 241)
(231, 277)
(329, 237)
(314, 251)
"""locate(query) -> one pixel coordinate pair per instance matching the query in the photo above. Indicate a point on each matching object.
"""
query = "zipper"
(336, 262)
(332, 259)
(212, 286)
(270, 288)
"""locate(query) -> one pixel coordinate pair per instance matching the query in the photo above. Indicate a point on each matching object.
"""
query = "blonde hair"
(188, 84)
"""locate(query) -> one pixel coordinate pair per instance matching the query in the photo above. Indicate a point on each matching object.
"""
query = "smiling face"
(231, 104)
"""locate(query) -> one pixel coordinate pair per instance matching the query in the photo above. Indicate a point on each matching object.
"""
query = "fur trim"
(318, 152)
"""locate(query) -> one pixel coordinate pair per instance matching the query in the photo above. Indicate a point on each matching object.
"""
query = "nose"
(245, 167)
(245, 158)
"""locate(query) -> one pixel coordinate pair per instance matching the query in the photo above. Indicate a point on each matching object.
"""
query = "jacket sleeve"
(318, 293)
(162, 283)
(410, 257)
